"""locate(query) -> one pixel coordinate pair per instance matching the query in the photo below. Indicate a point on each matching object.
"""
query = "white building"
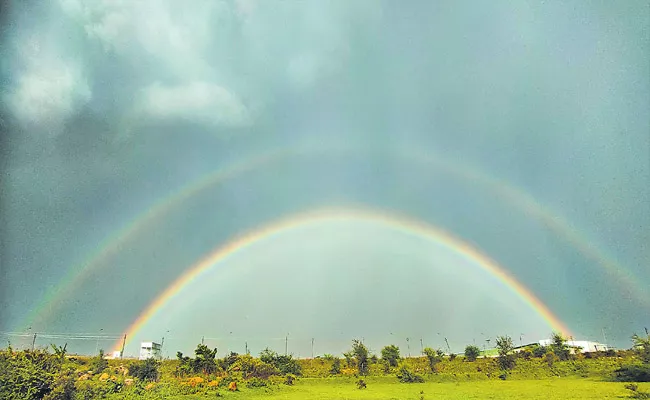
(150, 350)
(586, 346)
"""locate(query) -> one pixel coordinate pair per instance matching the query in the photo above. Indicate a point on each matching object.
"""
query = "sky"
(520, 128)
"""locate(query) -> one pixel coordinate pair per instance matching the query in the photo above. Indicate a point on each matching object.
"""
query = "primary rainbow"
(627, 282)
(410, 226)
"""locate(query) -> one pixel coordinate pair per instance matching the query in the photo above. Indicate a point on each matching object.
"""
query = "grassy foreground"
(386, 388)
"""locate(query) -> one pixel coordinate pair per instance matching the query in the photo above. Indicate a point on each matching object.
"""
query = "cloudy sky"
(522, 128)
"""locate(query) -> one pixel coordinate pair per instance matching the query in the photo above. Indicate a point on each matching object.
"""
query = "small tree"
(471, 353)
(336, 367)
(360, 352)
(559, 346)
(538, 350)
(642, 347)
(433, 356)
(505, 347)
(204, 362)
(391, 355)
(146, 370)
(99, 363)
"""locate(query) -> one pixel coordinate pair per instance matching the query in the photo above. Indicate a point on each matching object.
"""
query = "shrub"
(452, 356)
(253, 368)
(285, 364)
(633, 373)
(98, 364)
(146, 370)
(336, 367)
(256, 383)
(361, 384)
(406, 376)
(27, 375)
(538, 350)
(289, 379)
(391, 355)
(433, 356)
(360, 353)
(559, 346)
(472, 353)
(636, 393)
(506, 360)
(642, 347)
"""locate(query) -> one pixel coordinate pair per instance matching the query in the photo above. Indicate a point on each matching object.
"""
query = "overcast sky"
(108, 107)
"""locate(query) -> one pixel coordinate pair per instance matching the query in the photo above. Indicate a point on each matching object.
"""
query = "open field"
(388, 388)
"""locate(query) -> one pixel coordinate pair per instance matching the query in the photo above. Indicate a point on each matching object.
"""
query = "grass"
(387, 388)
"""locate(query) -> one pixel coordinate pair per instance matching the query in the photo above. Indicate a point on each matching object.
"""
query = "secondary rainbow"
(511, 194)
(398, 222)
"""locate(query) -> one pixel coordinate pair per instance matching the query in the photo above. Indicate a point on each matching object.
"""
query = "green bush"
(98, 363)
(253, 367)
(285, 364)
(336, 367)
(146, 370)
(538, 350)
(406, 376)
(633, 373)
(256, 383)
(471, 353)
(26, 375)
(391, 355)
(433, 356)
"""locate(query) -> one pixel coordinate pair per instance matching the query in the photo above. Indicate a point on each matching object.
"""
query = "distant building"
(150, 350)
(114, 355)
(586, 346)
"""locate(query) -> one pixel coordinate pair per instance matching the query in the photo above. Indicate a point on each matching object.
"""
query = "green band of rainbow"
(400, 223)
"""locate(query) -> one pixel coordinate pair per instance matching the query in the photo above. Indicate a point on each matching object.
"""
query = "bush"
(253, 368)
(285, 364)
(391, 355)
(98, 364)
(433, 356)
(633, 373)
(406, 376)
(506, 360)
(472, 353)
(289, 379)
(146, 370)
(27, 375)
(256, 383)
(361, 384)
(538, 350)
(336, 367)
(636, 393)
(360, 352)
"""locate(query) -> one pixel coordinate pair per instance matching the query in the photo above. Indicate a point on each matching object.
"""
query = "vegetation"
(40, 374)
(559, 347)
(360, 354)
(390, 354)
(471, 353)
(406, 376)
(146, 370)
(506, 359)
(638, 371)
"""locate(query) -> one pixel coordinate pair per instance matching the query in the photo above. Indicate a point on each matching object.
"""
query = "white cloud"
(48, 89)
(196, 101)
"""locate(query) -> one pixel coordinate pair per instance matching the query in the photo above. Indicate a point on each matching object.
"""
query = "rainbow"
(517, 197)
(403, 224)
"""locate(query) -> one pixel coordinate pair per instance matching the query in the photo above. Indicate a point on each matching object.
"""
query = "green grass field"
(386, 388)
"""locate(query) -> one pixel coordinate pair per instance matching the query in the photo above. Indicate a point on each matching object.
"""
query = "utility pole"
(646, 331)
(246, 345)
(123, 344)
(408, 346)
(448, 348)
(286, 344)
(34, 341)
(421, 346)
(202, 339)
(604, 337)
(312, 348)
